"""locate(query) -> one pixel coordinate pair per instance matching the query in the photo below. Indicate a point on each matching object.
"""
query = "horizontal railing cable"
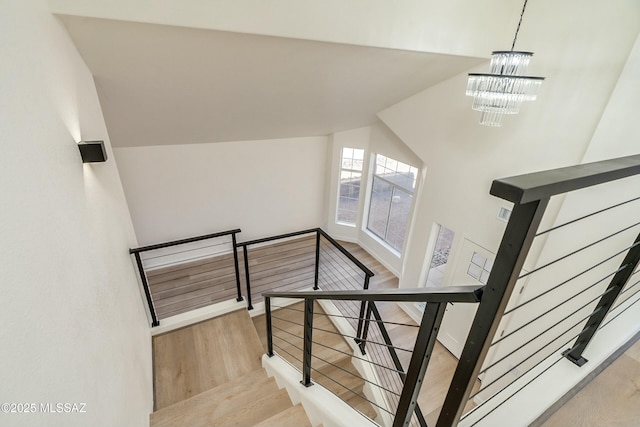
(623, 310)
(579, 250)
(628, 288)
(283, 255)
(357, 394)
(336, 277)
(587, 216)
(332, 348)
(386, 322)
(513, 394)
(330, 252)
(278, 237)
(346, 253)
(353, 277)
(357, 357)
(356, 376)
(556, 349)
(545, 331)
(569, 280)
(557, 306)
(285, 351)
(363, 340)
(190, 250)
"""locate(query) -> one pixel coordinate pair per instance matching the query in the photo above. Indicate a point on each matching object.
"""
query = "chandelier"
(504, 89)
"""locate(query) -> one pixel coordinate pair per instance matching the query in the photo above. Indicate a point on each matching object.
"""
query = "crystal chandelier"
(505, 87)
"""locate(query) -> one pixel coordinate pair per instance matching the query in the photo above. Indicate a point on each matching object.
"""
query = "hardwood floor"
(290, 265)
(611, 399)
(286, 265)
(209, 374)
(197, 358)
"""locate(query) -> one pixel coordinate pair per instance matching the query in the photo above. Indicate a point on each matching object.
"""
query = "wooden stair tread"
(362, 406)
(348, 381)
(255, 411)
(213, 402)
(291, 417)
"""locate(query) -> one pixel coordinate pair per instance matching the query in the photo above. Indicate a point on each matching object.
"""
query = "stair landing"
(210, 374)
(199, 357)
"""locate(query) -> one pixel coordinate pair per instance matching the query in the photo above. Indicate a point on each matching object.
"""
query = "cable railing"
(186, 274)
(548, 294)
(295, 261)
(311, 353)
(550, 290)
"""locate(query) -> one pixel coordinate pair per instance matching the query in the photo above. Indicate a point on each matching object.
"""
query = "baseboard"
(198, 315)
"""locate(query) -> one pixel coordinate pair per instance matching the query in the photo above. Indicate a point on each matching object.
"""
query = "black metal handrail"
(143, 276)
(531, 194)
(472, 293)
(436, 299)
(532, 187)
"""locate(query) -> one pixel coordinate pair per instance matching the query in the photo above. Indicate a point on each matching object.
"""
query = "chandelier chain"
(519, 23)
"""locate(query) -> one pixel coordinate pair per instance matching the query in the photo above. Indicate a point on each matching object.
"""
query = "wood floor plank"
(194, 359)
(213, 403)
(255, 411)
(175, 376)
(612, 399)
(291, 417)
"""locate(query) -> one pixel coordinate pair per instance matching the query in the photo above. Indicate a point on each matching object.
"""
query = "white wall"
(263, 187)
(73, 325)
(580, 47)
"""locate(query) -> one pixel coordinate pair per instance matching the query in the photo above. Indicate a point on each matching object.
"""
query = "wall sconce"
(92, 151)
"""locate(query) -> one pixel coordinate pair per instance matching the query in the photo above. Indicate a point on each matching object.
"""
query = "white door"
(472, 267)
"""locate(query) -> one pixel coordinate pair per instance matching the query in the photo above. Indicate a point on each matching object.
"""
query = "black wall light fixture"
(92, 151)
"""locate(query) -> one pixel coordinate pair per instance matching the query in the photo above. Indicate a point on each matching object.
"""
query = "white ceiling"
(172, 85)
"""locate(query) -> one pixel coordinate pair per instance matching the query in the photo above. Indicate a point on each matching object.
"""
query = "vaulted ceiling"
(161, 84)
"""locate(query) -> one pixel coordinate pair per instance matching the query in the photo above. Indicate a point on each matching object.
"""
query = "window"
(390, 203)
(349, 191)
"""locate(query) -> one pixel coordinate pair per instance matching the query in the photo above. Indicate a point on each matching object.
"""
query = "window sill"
(382, 243)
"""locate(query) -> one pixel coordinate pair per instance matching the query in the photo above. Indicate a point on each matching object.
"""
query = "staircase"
(250, 400)
(209, 374)
(332, 362)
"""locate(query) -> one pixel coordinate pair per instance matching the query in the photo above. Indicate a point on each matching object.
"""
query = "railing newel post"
(247, 275)
(236, 266)
(317, 269)
(267, 310)
(308, 341)
(147, 292)
(362, 342)
(361, 316)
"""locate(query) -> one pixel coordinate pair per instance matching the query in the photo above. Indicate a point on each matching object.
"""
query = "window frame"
(337, 220)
